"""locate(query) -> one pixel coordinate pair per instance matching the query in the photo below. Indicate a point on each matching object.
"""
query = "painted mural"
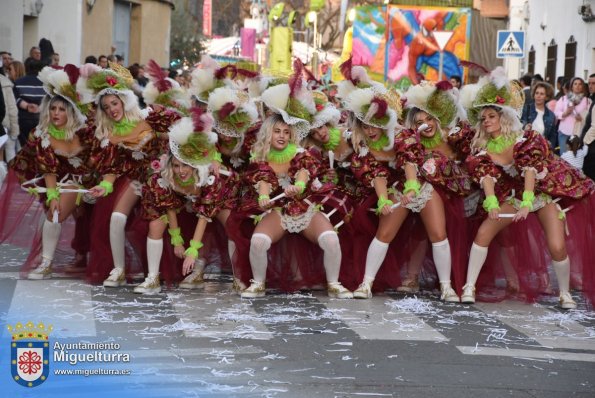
(397, 44)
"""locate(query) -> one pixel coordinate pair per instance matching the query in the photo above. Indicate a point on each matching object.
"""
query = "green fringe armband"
(192, 251)
(382, 201)
(528, 199)
(108, 186)
(176, 236)
(490, 203)
(412, 185)
(51, 194)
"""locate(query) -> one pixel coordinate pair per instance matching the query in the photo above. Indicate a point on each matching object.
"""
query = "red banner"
(206, 17)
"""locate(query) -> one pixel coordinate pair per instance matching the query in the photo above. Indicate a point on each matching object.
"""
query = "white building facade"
(24, 22)
(560, 38)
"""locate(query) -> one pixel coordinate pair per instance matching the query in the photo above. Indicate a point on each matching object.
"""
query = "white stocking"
(477, 257)
(117, 238)
(442, 259)
(374, 259)
(154, 252)
(49, 239)
(329, 242)
(259, 247)
(562, 270)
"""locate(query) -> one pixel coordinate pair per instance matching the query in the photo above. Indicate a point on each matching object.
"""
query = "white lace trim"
(540, 202)
(538, 176)
(419, 201)
(296, 224)
(484, 177)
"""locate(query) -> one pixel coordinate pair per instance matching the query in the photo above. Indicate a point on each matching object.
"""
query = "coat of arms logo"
(30, 353)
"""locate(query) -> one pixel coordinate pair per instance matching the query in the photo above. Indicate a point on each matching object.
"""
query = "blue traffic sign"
(511, 44)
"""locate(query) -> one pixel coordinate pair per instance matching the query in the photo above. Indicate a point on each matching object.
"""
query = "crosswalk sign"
(511, 44)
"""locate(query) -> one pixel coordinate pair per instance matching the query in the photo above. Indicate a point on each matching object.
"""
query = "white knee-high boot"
(117, 238)
(259, 247)
(329, 243)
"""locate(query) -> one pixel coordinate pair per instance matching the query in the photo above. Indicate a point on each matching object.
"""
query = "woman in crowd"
(537, 116)
(571, 110)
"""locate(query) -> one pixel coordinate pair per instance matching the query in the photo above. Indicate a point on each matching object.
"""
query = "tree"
(186, 32)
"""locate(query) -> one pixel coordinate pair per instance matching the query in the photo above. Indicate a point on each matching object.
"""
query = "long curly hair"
(105, 124)
(73, 124)
(168, 171)
(507, 123)
(262, 146)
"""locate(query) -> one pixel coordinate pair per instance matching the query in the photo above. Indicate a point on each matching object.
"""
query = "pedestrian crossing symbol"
(511, 44)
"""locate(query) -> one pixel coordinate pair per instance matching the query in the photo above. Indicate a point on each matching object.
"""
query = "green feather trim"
(431, 142)
(383, 121)
(296, 109)
(198, 149)
(333, 140)
(379, 144)
(499, 144)
(283, 156)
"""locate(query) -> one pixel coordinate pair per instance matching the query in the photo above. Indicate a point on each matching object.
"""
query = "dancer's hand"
(188, 265)
(521, 214)
(494, 214)
(292, 190)
(54, 207)
(97, 191)
(407, 198)
(264, 202)
(179, 251)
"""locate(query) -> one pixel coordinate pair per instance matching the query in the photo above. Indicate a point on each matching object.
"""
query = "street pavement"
(211, 343)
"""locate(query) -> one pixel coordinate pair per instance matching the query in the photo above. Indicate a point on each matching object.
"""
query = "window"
(550, 66)
(531, 66)
(570, 58)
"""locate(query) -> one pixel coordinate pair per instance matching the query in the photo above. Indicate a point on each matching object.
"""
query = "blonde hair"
(411, 121)
(105, 124)
(358, 136)
(507, 121)
(168, 170)
(73, 124)
(262, 146)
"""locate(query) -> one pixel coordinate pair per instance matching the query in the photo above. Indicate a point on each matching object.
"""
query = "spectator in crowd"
(10, 123)
(525, 81)
(55, 59)
(575, 155)
(15, 70)
(111, 58)
(119, 59)
(28, 92)
(47, 50)
(588, 134)
(560, 81)
(456, 81)
(91, 59)
(35, 53)
(572, 110)
(537, 116)
(102, 61)
(6, 60)
(142, 79)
